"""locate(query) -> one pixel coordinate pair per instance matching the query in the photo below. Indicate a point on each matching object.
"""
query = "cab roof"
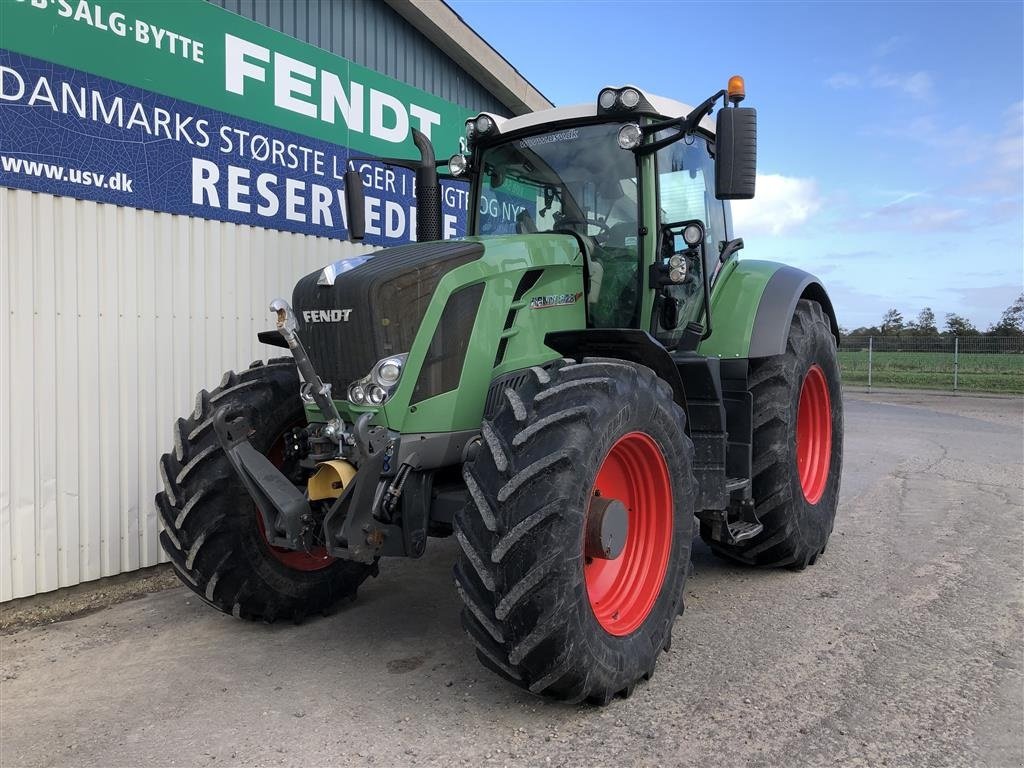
(664, 107)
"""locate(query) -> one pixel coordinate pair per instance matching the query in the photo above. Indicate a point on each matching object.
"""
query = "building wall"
(113, 319)
(372, 34)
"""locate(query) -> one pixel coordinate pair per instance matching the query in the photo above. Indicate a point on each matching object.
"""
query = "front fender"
(752, 305)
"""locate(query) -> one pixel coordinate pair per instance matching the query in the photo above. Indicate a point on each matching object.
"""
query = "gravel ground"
(902, 647)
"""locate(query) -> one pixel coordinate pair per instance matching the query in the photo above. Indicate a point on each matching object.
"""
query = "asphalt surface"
(901, 647)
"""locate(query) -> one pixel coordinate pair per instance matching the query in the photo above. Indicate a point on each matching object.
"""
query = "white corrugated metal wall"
(113, 318)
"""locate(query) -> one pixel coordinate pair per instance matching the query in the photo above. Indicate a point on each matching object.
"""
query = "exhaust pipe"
(428, 191)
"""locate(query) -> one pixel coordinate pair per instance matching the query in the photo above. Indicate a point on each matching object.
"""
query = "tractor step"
(734, 484)
(742, 530)
(737, 523)
(741, 521)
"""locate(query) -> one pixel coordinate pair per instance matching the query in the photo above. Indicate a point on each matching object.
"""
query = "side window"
(686, 188)
(686, 180)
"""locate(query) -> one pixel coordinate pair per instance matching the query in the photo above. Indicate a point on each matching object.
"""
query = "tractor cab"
(625, 175)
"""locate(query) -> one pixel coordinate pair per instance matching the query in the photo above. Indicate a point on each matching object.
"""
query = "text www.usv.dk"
(118, 181)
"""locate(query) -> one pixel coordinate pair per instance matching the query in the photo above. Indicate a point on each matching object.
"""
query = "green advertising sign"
(196, 52)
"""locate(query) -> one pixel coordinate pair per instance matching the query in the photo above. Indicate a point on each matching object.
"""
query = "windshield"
(571, 180)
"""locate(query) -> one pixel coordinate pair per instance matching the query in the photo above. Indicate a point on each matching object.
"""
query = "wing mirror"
(736, 153)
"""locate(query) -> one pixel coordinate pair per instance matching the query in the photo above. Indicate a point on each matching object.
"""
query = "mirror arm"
(685, 125)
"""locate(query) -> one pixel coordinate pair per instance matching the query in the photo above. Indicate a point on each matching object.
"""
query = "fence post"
(871, 347)
(956, 361)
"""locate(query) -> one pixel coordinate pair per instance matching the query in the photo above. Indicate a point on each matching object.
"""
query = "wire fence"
(952, 363)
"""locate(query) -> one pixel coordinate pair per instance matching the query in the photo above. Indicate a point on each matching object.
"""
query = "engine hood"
(356, 311)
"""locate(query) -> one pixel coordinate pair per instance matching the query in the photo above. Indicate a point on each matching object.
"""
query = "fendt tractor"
(570, 390)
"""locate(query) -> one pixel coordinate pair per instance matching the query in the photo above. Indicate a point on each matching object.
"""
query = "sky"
(890, 135)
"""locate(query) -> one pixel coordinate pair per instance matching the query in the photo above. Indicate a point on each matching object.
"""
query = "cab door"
(686, 180)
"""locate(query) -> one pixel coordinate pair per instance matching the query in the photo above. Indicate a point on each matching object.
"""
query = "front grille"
(386, 297)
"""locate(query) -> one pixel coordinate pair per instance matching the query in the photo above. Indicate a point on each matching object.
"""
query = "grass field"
(934, 370)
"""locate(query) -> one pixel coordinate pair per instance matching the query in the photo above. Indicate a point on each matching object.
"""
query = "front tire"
(798, 447)
(571, 440)
(212, 530)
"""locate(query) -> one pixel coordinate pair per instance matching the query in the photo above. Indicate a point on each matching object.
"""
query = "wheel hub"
(607, 528)
(814, 434)
(628, 533)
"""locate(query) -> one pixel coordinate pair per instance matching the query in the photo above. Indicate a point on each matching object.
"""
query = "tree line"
(1011, 323)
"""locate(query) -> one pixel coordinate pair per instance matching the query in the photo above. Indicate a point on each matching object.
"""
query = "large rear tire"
(212, 530)
(542, 610)
(798, 447)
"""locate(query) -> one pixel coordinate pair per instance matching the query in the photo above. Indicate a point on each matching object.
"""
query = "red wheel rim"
(814, 434)
(623, 591)
(314, 560)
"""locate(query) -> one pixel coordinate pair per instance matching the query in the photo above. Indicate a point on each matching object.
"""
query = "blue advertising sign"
(68, 132)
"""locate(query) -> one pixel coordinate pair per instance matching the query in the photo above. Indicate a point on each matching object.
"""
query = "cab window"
(686, 174)
(571, 180)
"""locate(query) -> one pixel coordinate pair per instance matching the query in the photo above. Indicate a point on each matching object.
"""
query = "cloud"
(984, 170)
(782, 203)
(917, 85)
(842, 81)
(916, 212)
(995, 159)
(986, 302)
(1009, 145)
(886, 47)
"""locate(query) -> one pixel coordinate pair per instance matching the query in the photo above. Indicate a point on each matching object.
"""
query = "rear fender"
(752, 305)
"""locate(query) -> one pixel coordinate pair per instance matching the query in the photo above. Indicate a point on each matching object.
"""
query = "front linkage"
(359, 502)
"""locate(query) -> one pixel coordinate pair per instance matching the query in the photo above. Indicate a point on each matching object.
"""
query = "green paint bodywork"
(506, 259)
(735, 297)
(649, 215)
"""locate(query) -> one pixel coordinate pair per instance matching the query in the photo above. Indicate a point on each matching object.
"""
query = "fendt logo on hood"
(326, 315)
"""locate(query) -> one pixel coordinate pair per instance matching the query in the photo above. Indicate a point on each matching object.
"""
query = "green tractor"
(571, 390)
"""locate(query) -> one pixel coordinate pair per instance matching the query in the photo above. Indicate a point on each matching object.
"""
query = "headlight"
(457, 165)
(629, 98)
(484, 124)
(388, 371)
(377, 386)
(630, 136)
(692, 234)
